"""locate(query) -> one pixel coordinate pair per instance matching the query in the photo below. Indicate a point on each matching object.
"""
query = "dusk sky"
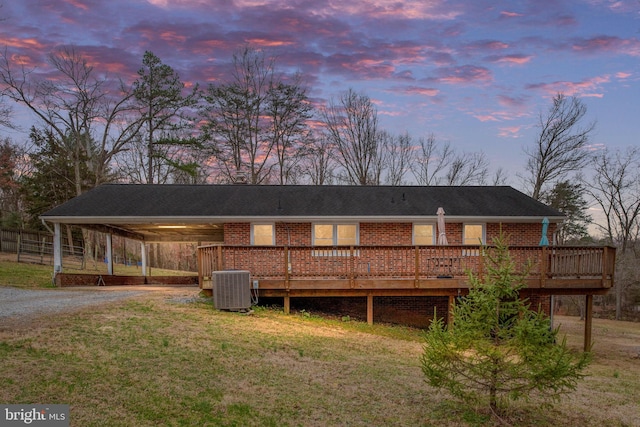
(474, 73)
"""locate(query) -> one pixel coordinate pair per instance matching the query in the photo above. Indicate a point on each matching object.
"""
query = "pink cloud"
(609, 44)
(512, 102)
(587, 88)
(622, 75)
(465, 74)
(172, 37)
(410, 9)
(265, 42)
(514, 59)
(487, 45)
(486, 118)
(499, 116)
(78, 3)
(507, 14)
(26, 43)
(510, 132)
(418, 90)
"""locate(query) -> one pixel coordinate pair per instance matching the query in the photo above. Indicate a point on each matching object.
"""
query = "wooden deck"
(378, 271)
(404, 270)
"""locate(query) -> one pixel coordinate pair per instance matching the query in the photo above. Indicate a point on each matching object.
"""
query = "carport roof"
(147, 211)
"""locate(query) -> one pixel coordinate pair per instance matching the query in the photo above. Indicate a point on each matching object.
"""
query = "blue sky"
(474, 73)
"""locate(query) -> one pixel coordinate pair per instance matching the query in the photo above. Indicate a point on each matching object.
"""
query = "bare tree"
(615, 188)
(561, 146)
(437, 164)
(431, 161)
(397, 156)
(257, 121)
(6, 112)
(319, 164)
(499, 177)
(289, 110)
(352, 127)
(87, 117)
(468, 169)
(169, 161)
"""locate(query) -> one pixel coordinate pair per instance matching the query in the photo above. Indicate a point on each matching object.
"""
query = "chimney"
(240, 178)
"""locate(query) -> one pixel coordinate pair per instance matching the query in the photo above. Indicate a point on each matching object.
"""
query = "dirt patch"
(607, 336)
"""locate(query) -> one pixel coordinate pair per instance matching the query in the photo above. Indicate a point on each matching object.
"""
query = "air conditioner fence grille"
(231, 290)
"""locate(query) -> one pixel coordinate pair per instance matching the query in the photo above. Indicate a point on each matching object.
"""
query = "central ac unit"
(231, 290)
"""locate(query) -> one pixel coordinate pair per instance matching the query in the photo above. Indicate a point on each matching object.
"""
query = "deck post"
(109, 238)
(287, 304)
(57, 249)
(417, 270)
(352, 282)
(452, 305)
(370, 309)
(143, 256)
(219, 264)
(286, 268)
(543, 267)
(588, 321)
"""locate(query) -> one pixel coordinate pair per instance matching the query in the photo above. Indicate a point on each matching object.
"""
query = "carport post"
(143, 255)
(109, 254)
(57, 249)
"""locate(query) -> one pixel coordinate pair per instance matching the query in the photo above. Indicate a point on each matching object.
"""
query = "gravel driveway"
(16, 302)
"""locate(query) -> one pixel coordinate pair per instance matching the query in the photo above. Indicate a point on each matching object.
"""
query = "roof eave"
(316, 218)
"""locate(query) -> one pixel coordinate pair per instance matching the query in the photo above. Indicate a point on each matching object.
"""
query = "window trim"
(484, 233)
(433, 233)
(334, 233)
(273, 233)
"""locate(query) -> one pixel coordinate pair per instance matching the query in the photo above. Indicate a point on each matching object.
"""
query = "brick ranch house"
(372, 250)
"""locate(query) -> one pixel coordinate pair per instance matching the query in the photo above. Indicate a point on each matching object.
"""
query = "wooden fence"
(37, 247)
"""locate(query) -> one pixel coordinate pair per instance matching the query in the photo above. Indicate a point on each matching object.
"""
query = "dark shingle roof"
(224, 201)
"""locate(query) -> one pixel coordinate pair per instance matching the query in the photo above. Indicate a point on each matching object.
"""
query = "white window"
(335, 234)
(424, 234)
(263, 235)
(473, 234)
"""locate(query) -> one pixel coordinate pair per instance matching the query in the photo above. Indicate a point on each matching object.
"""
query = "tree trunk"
(493, 400)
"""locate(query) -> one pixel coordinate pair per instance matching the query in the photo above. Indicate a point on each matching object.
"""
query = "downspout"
(57, 249)
(46, 226)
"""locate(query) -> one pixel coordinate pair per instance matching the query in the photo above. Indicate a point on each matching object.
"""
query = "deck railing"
(401, 262)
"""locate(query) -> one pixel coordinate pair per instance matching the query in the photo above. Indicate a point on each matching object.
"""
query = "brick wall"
(519, 234)
(542, 302)
(69, 280)
(293, 234)
(237, 233)
(388, 234)
(409, 311)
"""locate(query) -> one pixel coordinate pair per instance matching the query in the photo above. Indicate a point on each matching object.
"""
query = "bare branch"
(561, 147)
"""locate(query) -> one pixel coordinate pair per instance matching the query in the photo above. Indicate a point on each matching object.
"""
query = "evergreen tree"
(568, 198)
(497, 347)
(163, 109)
(52, 179)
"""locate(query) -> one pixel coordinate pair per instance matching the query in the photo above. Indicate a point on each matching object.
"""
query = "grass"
(157, 360)
(25, 275)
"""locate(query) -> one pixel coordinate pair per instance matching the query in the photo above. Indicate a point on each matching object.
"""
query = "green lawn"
(26, 275)
(169, 358)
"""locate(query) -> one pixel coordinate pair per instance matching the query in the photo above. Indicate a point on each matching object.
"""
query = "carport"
(136, 212)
